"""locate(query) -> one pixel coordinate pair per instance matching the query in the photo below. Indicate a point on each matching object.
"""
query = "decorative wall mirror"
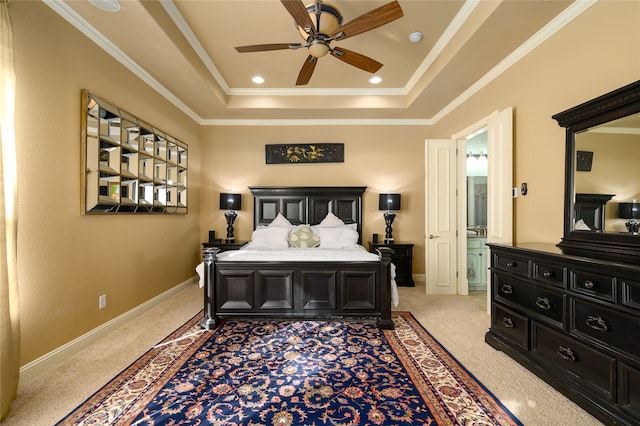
(128, 165)
(602, 176)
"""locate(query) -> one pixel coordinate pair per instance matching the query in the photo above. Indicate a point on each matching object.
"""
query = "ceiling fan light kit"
(319, 24)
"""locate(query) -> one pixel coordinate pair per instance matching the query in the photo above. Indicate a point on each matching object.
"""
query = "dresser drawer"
(476, 243)
(630, 294)
(402, 251)
(629, 390)
(593, 284)
(549, 273)
(612, 328)
(588, 368)
(510, 263)
(546, 302)
(510, 325)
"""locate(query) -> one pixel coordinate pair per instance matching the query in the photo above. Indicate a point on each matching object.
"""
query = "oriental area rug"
(279, 372)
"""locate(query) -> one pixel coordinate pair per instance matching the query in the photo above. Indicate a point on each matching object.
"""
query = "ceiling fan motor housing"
(327, 19)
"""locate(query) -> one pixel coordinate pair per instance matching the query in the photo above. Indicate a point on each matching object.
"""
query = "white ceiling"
(185, 49)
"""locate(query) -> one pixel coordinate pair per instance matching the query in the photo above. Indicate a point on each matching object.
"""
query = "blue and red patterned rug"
(295, 373)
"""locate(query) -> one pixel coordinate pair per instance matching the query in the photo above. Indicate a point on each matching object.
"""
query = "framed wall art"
(584, 159)
(305, 153)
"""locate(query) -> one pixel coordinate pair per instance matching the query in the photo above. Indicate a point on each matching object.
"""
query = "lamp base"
(389, 216)
(231, 217)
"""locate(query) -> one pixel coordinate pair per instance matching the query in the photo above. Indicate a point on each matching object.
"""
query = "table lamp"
(231, 203)
(389, 202)
(630, 211)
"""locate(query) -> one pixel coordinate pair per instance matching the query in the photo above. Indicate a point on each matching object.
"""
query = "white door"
(440, 278)
(440, 244)
(500, 178)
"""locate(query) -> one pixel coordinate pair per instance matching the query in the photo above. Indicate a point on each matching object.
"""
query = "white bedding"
(358, 253)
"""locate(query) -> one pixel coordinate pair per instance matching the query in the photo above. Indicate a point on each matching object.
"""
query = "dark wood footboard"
(297, 289)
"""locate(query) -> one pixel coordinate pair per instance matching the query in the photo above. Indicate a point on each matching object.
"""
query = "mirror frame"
(611, 106)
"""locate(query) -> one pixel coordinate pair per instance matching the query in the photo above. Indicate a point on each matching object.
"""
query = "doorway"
(477, 156)
(446, 201)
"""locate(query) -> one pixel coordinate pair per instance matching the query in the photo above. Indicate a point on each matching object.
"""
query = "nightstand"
(402, 257)
(223, 246)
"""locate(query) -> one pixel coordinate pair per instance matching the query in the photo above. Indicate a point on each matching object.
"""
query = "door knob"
(431, 237)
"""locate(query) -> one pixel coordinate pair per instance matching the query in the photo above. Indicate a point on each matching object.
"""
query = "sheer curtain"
(9, 320)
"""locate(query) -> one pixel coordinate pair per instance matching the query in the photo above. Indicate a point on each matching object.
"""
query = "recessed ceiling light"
(375, 79)
(415, 36)
(257, 79)
(106, 5)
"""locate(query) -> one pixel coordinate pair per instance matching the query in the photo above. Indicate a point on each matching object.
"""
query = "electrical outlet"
(102, 301)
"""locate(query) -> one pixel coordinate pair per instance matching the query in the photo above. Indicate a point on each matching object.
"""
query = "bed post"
(385, 321)
(210, 320)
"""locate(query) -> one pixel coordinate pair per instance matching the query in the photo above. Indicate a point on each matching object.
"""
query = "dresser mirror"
(602, 176)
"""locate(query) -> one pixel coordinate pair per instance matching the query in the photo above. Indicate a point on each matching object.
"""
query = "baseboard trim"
(420, 277)
(38, 366)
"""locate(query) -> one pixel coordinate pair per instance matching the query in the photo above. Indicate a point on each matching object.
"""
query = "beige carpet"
(458, 322)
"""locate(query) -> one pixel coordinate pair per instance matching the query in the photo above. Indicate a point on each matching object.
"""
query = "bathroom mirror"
(602, 175)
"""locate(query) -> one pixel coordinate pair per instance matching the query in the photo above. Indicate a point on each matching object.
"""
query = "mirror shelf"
(602, 176)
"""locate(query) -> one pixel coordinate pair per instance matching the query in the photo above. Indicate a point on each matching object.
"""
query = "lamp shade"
(230, 201)
(629, 210)
(389, 202)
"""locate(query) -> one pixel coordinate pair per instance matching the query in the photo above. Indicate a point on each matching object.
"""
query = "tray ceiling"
(185, 49)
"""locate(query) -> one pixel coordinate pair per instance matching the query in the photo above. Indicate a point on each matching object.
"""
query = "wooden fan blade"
(356, 59)
(299, 13)
(370, 20)
(266, 47)
(307, 70)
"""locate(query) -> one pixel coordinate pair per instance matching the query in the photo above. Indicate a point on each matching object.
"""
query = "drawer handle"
(507, 289)
(543, 303)
(597, 323)
(547, 274)
(508, 322)
(512, 264)
(566, 354)
(589, 284)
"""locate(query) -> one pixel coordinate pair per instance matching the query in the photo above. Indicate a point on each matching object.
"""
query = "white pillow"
(336, 237)
(331, 220)
(280, 220)
(274, 237)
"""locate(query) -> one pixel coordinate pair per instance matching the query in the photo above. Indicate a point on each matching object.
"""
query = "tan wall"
(597, 52)
(66, 260)
(381, 158)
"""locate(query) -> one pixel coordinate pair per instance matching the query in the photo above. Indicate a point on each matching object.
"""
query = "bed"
(290, 282)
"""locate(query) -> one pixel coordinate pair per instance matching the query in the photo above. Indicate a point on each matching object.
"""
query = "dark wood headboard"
(307, 204)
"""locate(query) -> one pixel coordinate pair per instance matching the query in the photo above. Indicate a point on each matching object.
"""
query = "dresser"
(402, 258)
(573, 321)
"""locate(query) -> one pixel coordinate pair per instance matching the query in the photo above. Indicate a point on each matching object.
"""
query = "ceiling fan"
(321, 23)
